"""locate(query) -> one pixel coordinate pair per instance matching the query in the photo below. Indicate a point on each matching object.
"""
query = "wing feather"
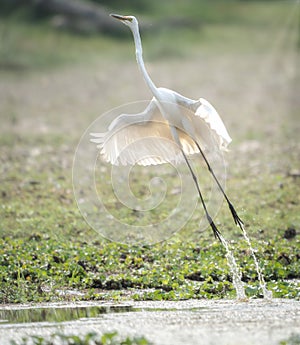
(209, 114)
(143, 139)
(202, 122)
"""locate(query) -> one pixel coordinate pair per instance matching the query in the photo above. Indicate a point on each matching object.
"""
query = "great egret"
(164, 119)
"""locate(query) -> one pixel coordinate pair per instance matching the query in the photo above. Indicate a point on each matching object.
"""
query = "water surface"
(216, 322)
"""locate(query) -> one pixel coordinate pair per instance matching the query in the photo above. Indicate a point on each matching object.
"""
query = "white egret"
(164, 119)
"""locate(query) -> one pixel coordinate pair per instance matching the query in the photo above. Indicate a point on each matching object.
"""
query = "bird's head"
(130, 21)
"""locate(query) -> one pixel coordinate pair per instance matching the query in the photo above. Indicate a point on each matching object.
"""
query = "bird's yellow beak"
(119, 17)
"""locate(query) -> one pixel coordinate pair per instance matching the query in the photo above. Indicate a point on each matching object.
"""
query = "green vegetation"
(89, 339)
(294, 339)
(39, 268)
(46, 248)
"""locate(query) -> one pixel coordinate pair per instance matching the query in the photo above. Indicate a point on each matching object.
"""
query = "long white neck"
(139, 59)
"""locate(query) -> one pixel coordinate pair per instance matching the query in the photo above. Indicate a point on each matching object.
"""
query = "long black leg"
(216, 232)
(235, 216)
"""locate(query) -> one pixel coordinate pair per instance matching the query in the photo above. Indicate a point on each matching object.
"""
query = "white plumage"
(170, 129)
(146, 138)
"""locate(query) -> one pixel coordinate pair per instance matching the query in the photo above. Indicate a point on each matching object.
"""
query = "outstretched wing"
(206, 126)
(143, 139)
(209, 114)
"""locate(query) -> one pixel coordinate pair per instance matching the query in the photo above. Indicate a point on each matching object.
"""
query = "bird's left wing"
(143, 139)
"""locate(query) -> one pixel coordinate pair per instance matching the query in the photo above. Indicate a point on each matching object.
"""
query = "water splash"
(236, 274)
(266, 293)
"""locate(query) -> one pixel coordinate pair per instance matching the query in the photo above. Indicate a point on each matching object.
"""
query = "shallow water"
(177, 323)
(57, 313)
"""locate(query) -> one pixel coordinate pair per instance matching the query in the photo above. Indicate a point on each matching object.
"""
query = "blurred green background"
(29, 30)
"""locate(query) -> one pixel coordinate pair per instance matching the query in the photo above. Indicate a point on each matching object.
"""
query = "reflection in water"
(57, 314)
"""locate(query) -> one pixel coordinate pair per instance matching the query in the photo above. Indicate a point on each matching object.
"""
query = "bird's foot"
(237, 219)
(215, 230)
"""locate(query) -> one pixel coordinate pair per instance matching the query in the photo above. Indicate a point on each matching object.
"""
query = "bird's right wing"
(209, 114)
(143, 139)
(207, 125)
